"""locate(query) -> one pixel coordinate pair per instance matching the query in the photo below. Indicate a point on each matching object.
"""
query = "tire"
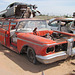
(31, 55)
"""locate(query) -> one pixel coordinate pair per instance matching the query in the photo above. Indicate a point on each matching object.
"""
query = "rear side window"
(13, 23)
(1, 24)
(5, 25)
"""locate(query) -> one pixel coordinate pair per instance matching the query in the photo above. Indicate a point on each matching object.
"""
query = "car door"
(10, 11)
(16, 31)
(4, 33)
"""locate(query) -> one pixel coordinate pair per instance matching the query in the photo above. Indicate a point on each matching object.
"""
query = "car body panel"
(10, 11)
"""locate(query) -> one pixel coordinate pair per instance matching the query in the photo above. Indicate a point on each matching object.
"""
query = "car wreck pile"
(35, 38)
(20, 10)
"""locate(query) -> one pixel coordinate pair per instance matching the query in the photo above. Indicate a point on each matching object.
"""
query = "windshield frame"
(31, 21)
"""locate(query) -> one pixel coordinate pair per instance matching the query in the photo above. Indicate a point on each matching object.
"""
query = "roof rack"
(9, 19)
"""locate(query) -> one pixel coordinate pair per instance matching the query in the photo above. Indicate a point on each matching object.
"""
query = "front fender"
(34, 41)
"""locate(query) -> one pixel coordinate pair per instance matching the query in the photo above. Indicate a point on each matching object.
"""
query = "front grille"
(61, 47)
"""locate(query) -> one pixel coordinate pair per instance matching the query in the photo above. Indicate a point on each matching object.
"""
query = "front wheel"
(31, 55)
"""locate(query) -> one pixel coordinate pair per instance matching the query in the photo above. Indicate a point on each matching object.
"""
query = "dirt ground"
(12, 63)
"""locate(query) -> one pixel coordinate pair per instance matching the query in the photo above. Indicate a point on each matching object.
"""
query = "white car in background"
(15, 9)
(62, 24)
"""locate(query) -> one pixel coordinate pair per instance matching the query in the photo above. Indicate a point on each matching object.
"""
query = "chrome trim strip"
(50, 44)
(70, 45)
(30, 42)
(52, 58)
(36, 43)
(52, 55)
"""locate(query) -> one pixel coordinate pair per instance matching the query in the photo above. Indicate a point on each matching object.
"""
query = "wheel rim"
(31, 56)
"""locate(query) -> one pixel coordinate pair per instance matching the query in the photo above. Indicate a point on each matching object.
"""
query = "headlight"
(50, 49)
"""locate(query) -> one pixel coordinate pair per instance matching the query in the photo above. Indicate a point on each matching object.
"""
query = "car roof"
(20, 3)
(17, 20)
(27, 19)
(62, 19)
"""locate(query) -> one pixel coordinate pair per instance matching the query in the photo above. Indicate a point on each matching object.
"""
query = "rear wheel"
(31, 55)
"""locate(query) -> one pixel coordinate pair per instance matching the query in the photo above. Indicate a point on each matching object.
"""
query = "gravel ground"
(12, 63)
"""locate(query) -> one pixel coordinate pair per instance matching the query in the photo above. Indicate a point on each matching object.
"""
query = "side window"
(5, 25)
(11, 5)
(13, 23)
(8, 7)
(12, 26)
(1, 24)
(54, 24)
(21, 25)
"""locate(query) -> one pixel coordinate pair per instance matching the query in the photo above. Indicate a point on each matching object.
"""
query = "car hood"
(35, 38)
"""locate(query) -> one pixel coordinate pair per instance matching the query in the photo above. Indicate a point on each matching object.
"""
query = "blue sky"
(51, 7)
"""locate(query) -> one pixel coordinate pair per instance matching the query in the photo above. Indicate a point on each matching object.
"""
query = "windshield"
(40, 24)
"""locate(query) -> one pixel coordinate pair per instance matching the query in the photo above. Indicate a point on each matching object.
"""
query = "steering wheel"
(35, 31)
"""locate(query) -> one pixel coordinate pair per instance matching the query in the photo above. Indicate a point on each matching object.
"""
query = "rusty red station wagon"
(32, 36)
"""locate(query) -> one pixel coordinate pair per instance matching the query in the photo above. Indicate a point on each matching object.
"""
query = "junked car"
(32, 37)
(63, 24)
(18, 10)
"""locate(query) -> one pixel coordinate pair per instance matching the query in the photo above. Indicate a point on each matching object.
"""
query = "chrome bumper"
(52, 58)
(70, 48)
(58, 56)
